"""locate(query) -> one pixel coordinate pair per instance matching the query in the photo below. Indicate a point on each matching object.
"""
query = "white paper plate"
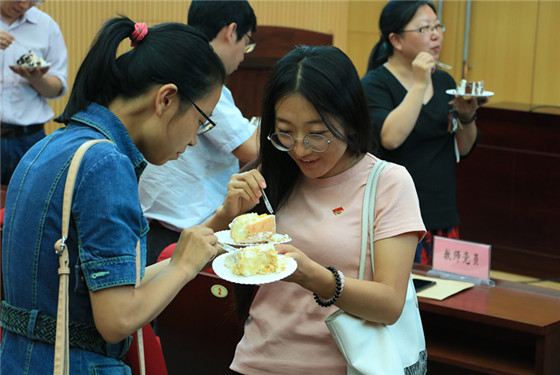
(225, 273)
(42, 66)
(484, 94)
(224, 236)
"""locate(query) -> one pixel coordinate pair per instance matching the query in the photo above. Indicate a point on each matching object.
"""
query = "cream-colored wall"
(546, 79)
(81, 19)
(512, 47)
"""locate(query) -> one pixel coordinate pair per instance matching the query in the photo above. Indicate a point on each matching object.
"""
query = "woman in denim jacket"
(151, 103)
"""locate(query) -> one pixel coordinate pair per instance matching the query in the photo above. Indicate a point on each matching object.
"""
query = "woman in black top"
(413, 116)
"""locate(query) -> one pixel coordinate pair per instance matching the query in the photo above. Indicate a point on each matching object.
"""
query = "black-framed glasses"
(203, 127)
(428, 29)
(286, 142)
(250, 47)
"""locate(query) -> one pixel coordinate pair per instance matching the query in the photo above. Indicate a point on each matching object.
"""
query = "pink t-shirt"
(286, 333)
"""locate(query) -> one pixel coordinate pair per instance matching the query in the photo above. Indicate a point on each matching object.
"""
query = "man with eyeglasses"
(185, 192)
(24, 92)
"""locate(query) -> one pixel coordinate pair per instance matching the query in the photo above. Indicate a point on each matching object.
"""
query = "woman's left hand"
(35, 74)
(305, 266)
(467, 107)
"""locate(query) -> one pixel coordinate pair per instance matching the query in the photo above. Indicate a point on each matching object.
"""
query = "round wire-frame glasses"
(286, 142)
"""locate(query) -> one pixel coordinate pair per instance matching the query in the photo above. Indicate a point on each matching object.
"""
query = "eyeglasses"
(250, 47)
(203, 127)
(286, 142)
(428, 30)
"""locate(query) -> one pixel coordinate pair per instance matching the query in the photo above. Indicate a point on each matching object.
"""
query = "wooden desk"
(511, 328)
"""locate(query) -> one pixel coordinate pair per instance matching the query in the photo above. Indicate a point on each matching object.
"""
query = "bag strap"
(139, 332)
(62, 342)
(368, 212)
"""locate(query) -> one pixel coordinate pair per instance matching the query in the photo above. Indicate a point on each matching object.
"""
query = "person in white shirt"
(186, 192)
(24, 92)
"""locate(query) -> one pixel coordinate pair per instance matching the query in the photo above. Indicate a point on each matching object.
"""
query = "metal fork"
(267, 202)
(442, 65)
(226, 247)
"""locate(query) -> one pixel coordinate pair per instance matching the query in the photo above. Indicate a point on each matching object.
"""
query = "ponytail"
(165, 53)
(98, 75)
(380, 53)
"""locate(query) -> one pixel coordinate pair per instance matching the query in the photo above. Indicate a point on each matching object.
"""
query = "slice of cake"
(254, 260)
(470, 88)
(253, 228)
(30, 61)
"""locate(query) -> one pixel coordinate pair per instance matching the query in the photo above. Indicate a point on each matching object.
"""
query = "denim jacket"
(106, 224)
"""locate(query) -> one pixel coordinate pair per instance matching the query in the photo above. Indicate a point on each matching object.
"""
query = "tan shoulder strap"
(61, 347)
(61, 352)
(139, 332)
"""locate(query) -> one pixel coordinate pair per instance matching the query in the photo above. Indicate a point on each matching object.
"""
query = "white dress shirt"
(185, 192)
(20, 104)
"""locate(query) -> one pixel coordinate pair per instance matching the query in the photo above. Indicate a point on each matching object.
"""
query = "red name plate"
(461, 257)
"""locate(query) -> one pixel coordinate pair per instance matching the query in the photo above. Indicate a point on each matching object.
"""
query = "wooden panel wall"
(507, 191)
(501, 33)
(363, 31)
(546, 86)
(512, 47)
(80, 20)
(324, 16)
(247, 83)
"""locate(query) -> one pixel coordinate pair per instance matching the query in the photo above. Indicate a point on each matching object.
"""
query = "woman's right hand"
(196, 247)
(244, 192)
(422, 67)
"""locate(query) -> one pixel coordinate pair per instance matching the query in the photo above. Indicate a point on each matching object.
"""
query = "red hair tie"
(140, 31)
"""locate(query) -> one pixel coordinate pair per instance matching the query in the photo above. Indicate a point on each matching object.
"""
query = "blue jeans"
(13, 150)
(42, 361)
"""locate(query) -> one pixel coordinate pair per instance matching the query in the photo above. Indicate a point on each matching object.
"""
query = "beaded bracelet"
(339, 276)
(471, 120)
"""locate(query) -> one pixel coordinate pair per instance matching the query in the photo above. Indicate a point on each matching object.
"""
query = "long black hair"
(395, 16)
(169, 53)
(326, 77)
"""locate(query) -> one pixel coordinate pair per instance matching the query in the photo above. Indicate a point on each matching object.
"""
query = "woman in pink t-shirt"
(314, 164)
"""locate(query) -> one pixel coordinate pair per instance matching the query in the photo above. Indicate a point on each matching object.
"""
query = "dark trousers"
(15, 142)
(159, 237)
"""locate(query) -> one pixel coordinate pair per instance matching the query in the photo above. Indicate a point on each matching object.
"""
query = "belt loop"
(31, 324)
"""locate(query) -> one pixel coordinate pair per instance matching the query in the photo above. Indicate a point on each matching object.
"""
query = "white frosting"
(30, 60)
(470, 88)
